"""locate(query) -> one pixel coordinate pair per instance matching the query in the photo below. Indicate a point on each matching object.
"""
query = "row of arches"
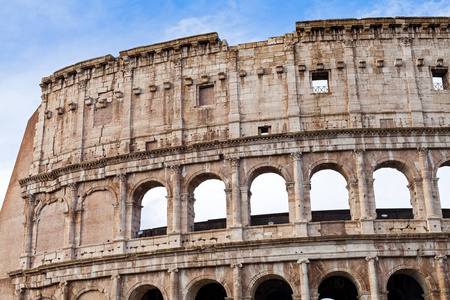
(329, 192)
(402, 285)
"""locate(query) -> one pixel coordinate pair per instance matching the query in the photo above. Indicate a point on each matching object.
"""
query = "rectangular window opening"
(206, 95)
(263, 130)
(320, 82)
(439, 79)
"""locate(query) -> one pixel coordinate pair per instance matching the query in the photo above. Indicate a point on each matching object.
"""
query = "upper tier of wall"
(198, 89)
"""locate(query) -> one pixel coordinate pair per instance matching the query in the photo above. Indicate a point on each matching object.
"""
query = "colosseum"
(351, 95)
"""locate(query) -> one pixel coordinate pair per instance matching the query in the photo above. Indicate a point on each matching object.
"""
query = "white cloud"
(393, 8)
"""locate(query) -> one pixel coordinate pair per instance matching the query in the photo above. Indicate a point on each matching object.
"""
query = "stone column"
(365, 214)
(29, 225)
(19, 294)
(373, 279)
(301, 217)
(304, 282)
(64, 286)
(442, 275)
(293, 110)
(173, 284)
(235, 192)
(415, 104)
(176, 198)
(72, 221)
(426, 182)
(123, 205)
(434, 223)
(362, 184)
(298, 187)
(234, 116)
(237, 281)
(115, 287)
(177, 123)
(354, 104)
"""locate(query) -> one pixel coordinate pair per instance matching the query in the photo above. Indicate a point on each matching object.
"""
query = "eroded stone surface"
(348, 95)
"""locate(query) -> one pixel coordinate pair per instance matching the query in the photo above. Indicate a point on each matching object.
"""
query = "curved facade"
(353, 96)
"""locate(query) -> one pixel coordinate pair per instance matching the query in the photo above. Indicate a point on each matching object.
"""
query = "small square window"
(206, 95)
(439, 79)
(319, 82)
(263, 130)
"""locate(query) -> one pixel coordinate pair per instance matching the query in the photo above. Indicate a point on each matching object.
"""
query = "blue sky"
(40, 37)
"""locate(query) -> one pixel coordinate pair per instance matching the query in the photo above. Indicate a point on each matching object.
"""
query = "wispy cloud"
(393, 8)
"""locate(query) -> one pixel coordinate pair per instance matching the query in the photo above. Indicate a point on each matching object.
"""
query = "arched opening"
(210, 205)
(211, 291)
(392, 195)
(273, 289)
(149, 210)
(146, 292)
(269, 200)
(337, 288)
(443, 174)
(404, 287)
(154, 212)
(153, 294)
(329, 196)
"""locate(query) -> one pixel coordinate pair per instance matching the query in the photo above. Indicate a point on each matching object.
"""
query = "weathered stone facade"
(348, 95)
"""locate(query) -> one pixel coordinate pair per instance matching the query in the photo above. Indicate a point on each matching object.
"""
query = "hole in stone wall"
(154, 210)
(392, 196)
(329, 196)
(319, 82)
(210, 205)
(443, 174)
(269, 197)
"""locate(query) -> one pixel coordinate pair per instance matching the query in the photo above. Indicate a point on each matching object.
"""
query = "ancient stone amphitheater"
(353, 96)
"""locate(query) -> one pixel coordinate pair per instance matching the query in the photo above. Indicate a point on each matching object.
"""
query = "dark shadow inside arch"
(338, 288)
(154, 294)
(273, 289)
(211, 291)
(404, 287)
(146, 292)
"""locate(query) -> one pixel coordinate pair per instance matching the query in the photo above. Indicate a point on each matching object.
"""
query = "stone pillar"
(362, 184)
(301, 217)
(123, 206)
(373, 279)
(173, 284)
(293, 110)
(434, 223)
(235, 192)
(72, 220)
(365, 214)
(354, 105)
(307, 193)
(237, 281)
(415, 104)
(116, 287)
(176, 198)
(177, 123)
(426, 182)
(234, 116)
(298, 187)
(64, 287)
(304, 282)
(442, 275)
(19, 293)
(29, 224)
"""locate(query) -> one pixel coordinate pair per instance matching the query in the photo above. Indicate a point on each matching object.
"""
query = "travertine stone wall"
(178, 113)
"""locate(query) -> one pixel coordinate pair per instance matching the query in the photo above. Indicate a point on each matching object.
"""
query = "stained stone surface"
(348, 95)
